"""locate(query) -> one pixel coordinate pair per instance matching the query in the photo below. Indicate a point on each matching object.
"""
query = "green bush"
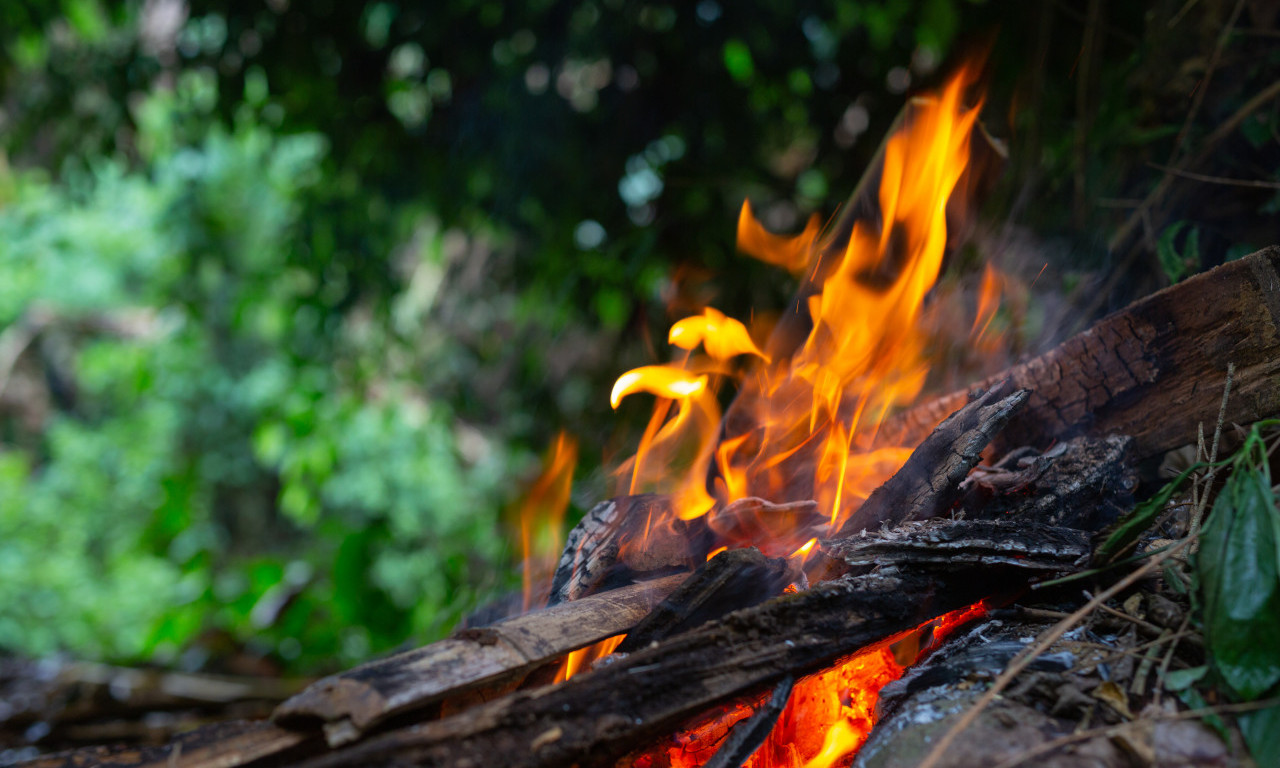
(237, 457)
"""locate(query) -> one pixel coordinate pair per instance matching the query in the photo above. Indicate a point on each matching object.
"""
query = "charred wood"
(597, 717)
(738, 578)
(624, 538)
(928, 483)
(952, 545)
(1149, 371)
(1083, 483)
(747, 737)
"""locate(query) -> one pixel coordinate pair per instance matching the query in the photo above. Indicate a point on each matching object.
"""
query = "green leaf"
(1131, 526)
(1177, 265)
(1181, 679)
(1261, 730)
(1239, 577)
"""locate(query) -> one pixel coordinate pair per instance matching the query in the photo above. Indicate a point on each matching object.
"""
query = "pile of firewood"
(1066, 437)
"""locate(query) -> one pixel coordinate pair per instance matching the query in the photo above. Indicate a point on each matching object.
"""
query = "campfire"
(762, 573)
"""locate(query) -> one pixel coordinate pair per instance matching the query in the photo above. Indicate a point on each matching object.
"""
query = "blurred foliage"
(292, 293)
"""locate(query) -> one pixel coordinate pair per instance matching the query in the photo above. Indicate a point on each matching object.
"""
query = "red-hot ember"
(827, 717)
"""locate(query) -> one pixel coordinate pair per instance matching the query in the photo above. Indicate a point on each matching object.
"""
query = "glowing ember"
(828, 716)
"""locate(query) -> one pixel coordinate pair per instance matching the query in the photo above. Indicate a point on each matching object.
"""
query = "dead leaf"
(1114, 696)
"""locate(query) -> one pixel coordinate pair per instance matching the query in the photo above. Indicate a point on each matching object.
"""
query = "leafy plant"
(1237, 572)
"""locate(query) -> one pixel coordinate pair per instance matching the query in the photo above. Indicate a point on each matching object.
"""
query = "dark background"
(292, 294)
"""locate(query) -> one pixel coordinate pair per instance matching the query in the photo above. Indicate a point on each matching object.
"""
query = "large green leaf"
(1239, 574)
(1261, 731)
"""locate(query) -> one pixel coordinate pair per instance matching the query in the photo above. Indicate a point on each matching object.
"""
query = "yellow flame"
(660, 380)
(722, 336)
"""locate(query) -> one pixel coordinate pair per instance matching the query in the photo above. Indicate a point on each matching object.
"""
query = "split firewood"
(597, 717)
(928, 483)
(623, 539)
(738, 578)
(349, 703)
(955, 544)
(1150, 371)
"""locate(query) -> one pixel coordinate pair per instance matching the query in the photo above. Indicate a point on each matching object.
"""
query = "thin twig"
(1198, 99)
(1197, 514)
(1207, 148)
(1150, 629)
(1251, 183)
(1113, 730)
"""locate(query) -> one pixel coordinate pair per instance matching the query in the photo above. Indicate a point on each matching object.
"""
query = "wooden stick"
(358, 699)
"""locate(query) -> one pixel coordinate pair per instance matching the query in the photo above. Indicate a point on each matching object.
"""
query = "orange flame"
(790, 253)
(542, 517)
(803, 422)
(580, 660)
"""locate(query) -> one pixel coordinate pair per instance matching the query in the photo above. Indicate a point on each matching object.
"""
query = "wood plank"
(1154, 370)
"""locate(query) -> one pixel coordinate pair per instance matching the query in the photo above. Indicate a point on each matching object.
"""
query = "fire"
(541, 516)
(827, 717)
(580, 660)
(804, 418)
(804, 422)
(809, 405)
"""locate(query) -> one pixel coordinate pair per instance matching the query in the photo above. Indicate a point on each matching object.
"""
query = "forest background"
(293, 294)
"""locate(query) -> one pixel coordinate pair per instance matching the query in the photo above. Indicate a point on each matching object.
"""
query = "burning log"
(495, 658)
(1147, 371)
(596, 718)
(622, 539)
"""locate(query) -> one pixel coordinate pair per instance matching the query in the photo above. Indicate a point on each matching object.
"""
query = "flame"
(722, 336)
(541, 515)
(988, 303)
(790, 253)
(803, 421)
(807, 412)
(865, 353)
(580, 660)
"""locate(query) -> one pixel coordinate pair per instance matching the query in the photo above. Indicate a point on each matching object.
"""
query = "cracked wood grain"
(1152, 370)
